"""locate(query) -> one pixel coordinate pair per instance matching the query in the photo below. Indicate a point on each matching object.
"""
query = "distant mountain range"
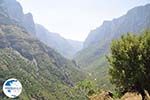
(67, 48)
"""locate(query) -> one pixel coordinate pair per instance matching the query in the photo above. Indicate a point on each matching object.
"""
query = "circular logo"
(12, 88)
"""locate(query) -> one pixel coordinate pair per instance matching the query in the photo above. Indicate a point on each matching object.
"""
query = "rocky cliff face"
(136, 20)
(12, 12)
(29, 24)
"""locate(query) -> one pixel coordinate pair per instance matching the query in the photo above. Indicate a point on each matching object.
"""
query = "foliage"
(87, 87)
(130, 63)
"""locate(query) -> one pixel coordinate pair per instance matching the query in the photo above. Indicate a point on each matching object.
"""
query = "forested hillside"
(43, 72)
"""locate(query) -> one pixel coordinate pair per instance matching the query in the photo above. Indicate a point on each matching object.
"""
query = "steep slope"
(65, 47)
(43, 72)
(26, 57)
(96, 46)
(136, 20)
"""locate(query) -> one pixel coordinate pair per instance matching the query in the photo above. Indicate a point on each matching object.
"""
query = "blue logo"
(12, 88)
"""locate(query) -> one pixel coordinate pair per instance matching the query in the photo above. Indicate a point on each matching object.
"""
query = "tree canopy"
(130, 62)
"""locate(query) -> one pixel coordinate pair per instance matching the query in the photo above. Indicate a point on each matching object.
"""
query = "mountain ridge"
(109, 30)
(131, 13)
(12, 13)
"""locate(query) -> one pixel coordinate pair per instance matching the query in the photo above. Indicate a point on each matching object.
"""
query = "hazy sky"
(74, 19)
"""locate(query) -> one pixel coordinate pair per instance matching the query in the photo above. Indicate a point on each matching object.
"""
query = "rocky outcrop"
(102, 96)
(132, 96)
(29, 24)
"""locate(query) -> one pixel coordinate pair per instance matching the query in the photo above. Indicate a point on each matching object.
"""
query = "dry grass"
(101, 96)
(131, 96)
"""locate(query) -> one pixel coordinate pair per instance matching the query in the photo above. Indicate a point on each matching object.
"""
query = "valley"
(51, 67)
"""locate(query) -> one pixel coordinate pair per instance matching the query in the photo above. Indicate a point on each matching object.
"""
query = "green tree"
(86, 87)
(130, 63)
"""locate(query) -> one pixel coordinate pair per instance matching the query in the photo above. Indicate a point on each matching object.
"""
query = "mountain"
(136, 20)
(98, 40)
(12, 12)
(67, 48)
(77, 45)
(97, 44)
(44, 73)
(34, 64)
